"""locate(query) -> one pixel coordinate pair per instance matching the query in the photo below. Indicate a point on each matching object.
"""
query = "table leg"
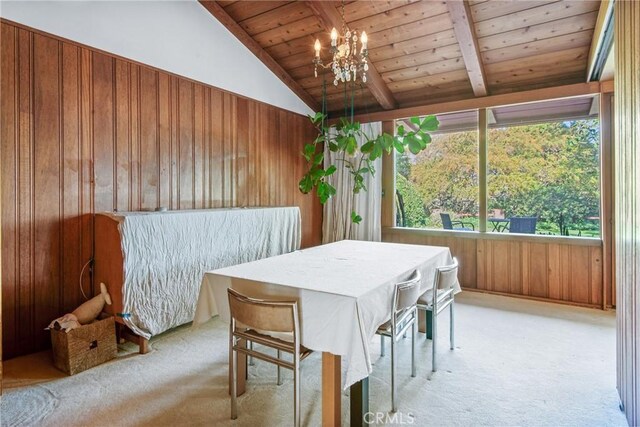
(242, 371)
(429, 324)
(359, 402)
(331, 390)
(425, 322)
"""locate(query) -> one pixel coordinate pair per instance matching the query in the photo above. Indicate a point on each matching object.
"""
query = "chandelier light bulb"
(347, 63)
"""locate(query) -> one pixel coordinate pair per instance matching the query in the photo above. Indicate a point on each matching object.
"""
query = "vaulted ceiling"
(421, 52)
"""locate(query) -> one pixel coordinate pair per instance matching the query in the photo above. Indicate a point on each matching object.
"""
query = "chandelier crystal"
(349, 59)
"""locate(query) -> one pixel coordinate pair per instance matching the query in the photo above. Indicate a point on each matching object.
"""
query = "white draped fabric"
(165, 255)
(337, 223)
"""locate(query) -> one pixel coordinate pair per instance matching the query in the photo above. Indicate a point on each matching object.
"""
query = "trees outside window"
(549, 170)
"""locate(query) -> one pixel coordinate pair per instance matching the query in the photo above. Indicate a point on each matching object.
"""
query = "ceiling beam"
(331, 18)
(463, 27)
(225, 19)
(489, 101)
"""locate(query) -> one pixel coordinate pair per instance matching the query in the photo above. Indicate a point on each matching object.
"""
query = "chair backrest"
(446, 221)
(523, 224)
(272, 316)
(406, 293)
(446, 276)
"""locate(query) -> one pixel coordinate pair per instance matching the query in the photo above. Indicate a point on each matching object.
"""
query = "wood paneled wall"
(540, 268)
(627, 204)
(84, 131)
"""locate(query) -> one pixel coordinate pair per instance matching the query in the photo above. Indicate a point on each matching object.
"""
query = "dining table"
(344, 291)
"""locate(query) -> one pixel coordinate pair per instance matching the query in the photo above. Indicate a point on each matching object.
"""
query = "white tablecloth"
(344, 291)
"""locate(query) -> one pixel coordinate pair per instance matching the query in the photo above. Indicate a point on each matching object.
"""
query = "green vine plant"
(357, 159)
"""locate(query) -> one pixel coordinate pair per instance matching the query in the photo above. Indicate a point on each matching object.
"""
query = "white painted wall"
(177, 36)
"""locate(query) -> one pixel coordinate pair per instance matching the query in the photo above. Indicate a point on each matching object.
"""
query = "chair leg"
(394, 406)
(414, 335)
(279, 371)
(233, 361)
(451, 329)
(296, 392)
(382, 345)
(434, 333)
(251, 362)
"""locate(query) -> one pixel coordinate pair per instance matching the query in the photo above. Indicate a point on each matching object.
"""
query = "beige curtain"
(337, 223)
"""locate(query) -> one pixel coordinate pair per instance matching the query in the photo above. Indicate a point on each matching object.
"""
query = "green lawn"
(543, 228)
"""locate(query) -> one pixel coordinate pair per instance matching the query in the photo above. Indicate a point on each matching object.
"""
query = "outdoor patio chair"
(447, 224)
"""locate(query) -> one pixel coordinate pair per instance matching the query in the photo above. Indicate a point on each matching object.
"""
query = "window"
(543, 171)
(438, 188)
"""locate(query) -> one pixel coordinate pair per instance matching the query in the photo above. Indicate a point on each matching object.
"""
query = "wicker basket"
(84, 347)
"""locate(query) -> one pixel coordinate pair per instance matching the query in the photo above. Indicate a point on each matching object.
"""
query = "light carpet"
(516, 362)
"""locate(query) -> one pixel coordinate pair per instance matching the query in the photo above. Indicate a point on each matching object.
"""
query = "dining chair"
(523, 224)
(403, 316)
(434, 303)
(260, 321)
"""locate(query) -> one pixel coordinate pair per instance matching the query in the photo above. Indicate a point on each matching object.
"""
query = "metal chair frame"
(449, 224)
(404, 315)
(241, 333)
(439, 302)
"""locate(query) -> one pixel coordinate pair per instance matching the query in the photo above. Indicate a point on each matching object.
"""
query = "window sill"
(476, 235)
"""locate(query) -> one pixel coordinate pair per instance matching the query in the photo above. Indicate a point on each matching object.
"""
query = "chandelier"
(348, 62)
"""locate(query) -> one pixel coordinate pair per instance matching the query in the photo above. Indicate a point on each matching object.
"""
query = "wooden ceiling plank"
(362, 9)
(533, 84)
(276, 17)
(426, 94)
(429, 56)
(241, 10)
(551, 60)
(399, 17)
(556, 92)
(464, 28)
(432, 25)
(429, 69)
(413, 45)
(538, 47)
(221, 15)
(430, 81)
(534, 16)
(539, 77)
(294, 30)
(547, 30)
(330, 18)
(495, 8)
(297, 45)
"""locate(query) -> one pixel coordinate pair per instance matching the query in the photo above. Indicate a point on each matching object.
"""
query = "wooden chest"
(84, 347)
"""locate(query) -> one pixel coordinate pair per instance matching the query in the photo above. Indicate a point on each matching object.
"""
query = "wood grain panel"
(84, 131)
(46, 191)
(627, 207)
(543, 269)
